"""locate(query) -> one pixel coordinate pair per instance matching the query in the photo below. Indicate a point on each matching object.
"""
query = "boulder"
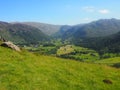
(107, 81)
(10, 45)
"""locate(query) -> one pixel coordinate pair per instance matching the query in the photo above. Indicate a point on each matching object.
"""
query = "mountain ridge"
(48, 29)
(100, 28)
(21, 33)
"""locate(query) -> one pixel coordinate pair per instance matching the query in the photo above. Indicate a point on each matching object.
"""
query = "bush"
(117, 65)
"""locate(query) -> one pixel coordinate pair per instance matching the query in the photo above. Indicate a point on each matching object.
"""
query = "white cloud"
(104, 11)
(92, 9)
(89, 9)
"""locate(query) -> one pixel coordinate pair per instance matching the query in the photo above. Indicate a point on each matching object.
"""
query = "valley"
(78, 57)
(59, 45)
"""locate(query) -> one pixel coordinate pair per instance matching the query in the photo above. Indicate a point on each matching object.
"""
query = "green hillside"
(103, 45)
(21, 34)
(109, 61)
(102, 35)
(100, 28)
(26, 71)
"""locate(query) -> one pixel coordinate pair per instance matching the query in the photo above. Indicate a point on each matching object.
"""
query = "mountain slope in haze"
(61, 31)
(100, 28)
(48, 29)
(21, 33)
(26, 71)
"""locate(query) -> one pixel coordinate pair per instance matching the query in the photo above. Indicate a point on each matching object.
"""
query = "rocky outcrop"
(10, 45)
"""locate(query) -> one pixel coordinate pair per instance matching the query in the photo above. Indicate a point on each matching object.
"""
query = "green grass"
(44, 50)
(65, 50)
(109, 61)
(77, 53)
(26, 71)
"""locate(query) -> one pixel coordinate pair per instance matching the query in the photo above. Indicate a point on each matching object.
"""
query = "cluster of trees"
(103, 45)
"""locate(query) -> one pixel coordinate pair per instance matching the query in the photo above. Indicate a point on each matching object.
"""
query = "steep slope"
(100, 28)
(48, 29)
(20, 33)
(106, 44)
(61, 31)
(25, 71)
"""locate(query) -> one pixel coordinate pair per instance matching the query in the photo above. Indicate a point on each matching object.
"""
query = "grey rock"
(11, 45)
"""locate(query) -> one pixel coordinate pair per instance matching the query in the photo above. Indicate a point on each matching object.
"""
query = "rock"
(11, 45)
(107, 81)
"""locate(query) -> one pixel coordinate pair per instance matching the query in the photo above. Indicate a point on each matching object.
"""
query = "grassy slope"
(25, 71)
(109, 61)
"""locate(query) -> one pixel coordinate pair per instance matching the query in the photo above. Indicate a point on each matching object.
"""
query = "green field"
(78, 53)
(109, 60)
(67, 51)
(26, 71)
(114, 62)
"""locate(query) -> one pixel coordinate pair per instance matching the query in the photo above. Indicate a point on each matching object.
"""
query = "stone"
(11, 45)
(107, 81)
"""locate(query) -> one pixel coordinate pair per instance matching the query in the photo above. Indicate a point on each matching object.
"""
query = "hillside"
(102, 35)
(114, 62)
(61, 31)
(48, 29)
(108, 44)
(109, 61)
(26, 71)
(100, 28)
(21, 34)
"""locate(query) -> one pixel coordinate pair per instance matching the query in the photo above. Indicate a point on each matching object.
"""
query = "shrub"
(117, 65)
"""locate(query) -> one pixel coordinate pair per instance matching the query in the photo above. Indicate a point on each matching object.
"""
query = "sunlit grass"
(26, 71)
(109, 61)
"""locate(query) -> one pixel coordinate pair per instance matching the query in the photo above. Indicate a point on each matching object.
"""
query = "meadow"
(27, 71)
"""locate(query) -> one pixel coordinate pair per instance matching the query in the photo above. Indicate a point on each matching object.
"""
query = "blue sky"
(58, 11)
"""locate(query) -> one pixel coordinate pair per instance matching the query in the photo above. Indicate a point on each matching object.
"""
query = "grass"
(65, 50)
(26, 71)
(109, 61)
(44, 50)
(77, 53)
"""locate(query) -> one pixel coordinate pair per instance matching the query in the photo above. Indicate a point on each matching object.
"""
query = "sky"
(59, 12)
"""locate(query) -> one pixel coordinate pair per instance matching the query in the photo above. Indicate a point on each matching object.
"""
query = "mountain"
(31, 32)
(100, 28)
(48, 29)
(108, 44)
(27, 71)
(21, 33)
(102, 35)
(61, 31)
